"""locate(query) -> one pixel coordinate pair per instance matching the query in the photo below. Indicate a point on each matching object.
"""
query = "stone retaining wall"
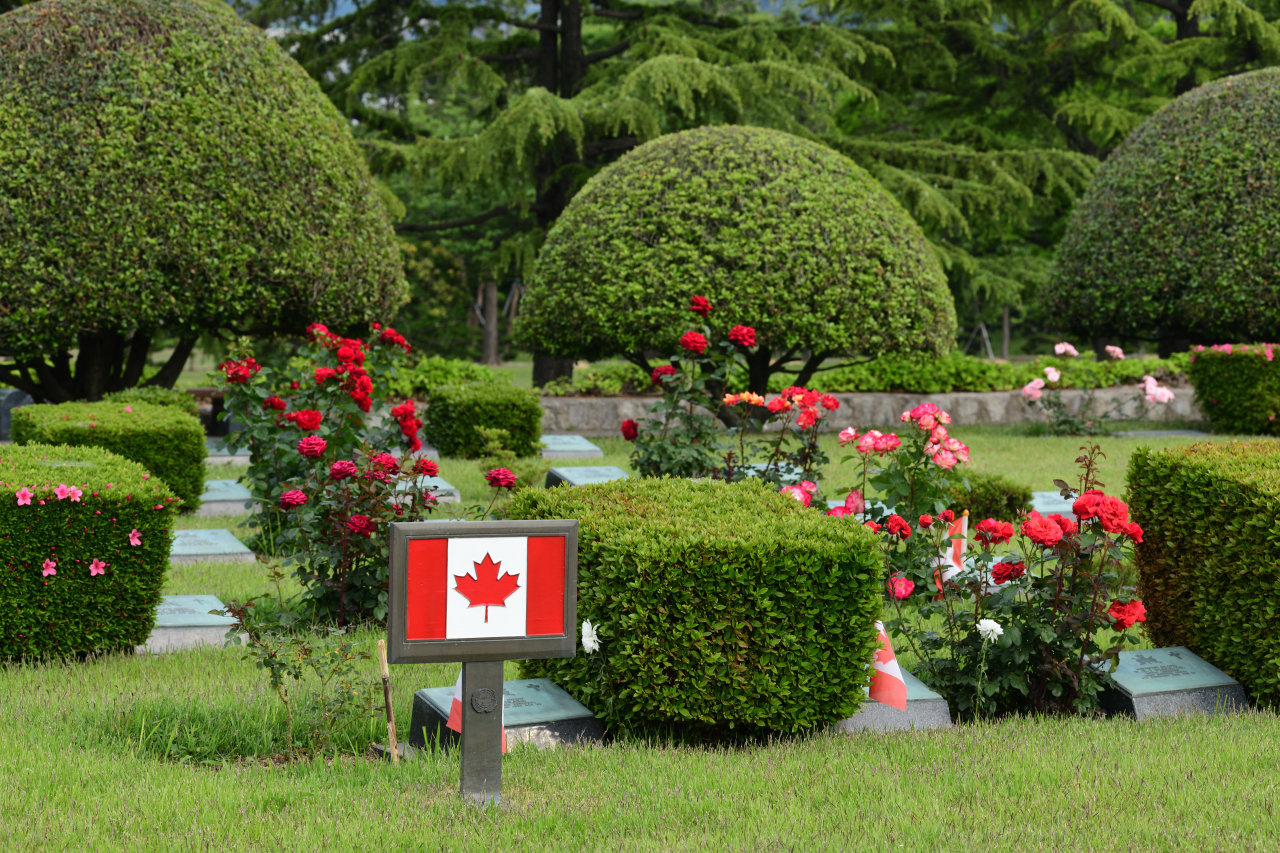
(603, 415)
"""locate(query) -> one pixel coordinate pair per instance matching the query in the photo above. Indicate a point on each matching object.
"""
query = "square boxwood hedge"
(454, 412)
(1237, 387)
(73, 611)
(989, 496)
(1209, 560)
(166, 441)
(720, 609)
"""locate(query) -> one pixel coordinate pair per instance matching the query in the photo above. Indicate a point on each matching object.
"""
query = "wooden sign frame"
(402, 650)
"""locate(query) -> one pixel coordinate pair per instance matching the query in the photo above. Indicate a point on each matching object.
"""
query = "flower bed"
(84, 545)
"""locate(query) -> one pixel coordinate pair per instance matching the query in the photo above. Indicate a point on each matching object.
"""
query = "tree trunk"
(1188, 27)
(173, 367)
(1004, 334)
(491, 324)
(573, 64)
(1100, 347)
(548, 47)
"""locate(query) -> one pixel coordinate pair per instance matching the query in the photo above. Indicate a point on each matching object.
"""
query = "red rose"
(875, 528)
(294, 385)
(305, 419)
(828, 402)
(324, 373)
(500, 478)
(743, 336)
(386, 462)
(807, 418)
(901, 587)
(630, 429)
(660, 371)
(240, 372)
(1088, 504)
(313, 446)
(342, 469)
(405, 410)
(840, 512)
(317, 330)
(947, 515)
(898, 526)
(1114, 515)
(1041, 530)
(700, 306)
(361, 525)
(1134, 532)
(292, 498)
(926, 521)
(391, 336)
(992, 532)
(274, 403)
(426, 468)
(1007, 571)
(694, 343)
(779, 404)
(1066, 525)
(1127, 614)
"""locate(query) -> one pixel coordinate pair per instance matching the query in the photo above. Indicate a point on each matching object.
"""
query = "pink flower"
(50, 568)
(854, 501)
(901, 587)
(292, 498)
(799, 494)
(1066, 349)
(839, 512)
(1115, 353)
(129, 409)
(63, 491)
(945, 459)
(313, 446)
(939, 434)
(810, 488)
(1032, 389)
(24, 496)
(867, 443)
(1052, 374)
(957, 447)
(97, 567)
(848, 435)
(500, 478)
(135, 538)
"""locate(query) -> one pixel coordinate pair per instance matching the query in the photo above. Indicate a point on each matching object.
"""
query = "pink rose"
(839, 512)
(799, 494)
(342, 469)
(1115, 353)
(1066, 349)
(1032, 389)
(944, 459)
(901, 587)
(1052, 374)
(848, 435)
(500, 478)
(855, 502)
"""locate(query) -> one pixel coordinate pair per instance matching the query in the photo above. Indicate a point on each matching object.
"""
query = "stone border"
(602, 416)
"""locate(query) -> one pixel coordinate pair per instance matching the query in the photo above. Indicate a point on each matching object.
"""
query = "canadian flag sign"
(887, 683)
(470, 588)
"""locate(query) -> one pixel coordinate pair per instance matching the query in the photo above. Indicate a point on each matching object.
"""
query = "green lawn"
(92, 755)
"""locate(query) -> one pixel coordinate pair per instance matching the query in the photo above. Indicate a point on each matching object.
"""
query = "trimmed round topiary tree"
(1178, 237)
(166, 170)
(778, 232)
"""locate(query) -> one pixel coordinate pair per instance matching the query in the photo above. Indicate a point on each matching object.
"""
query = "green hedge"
(1238, 388)
(718, 607)
(1210, 556)
(989, 496)
(956, 372)
(156, 395)
(434, 371)
(166, 441)
(456, 410)
(73, 612)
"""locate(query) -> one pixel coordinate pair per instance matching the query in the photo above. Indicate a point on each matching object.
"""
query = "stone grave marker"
(925, 710)
(1166, 682)
(224, 497)
(220, 455)
(10, 399)
(193, 546)
(569, 447)
(1050, 502)
(184, 621)
(1164, 433)
(791, 474)
(445, 491)
(585, 475)
(535, 712)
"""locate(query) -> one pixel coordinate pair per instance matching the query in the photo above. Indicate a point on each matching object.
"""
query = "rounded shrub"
(164, 440)
(780, 233)
(167, 169)
(1179, 234)
(156, 395)
(456, 413)
(72, 578)
(720, 608)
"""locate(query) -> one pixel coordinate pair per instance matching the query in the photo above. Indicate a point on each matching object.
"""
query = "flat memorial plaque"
(190, 546)
(535, 711)
(1162, 682)
(224, 497)
(790, 475)
(925, 710)
(184, 621)
(1050, 502)
(1164, 433)
(585, 475)
(569, 447)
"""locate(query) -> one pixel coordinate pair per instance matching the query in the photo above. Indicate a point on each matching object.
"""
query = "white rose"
(590, 641)
(990, 630)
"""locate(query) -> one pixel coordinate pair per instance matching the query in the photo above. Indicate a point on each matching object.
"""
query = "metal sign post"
(482, 592)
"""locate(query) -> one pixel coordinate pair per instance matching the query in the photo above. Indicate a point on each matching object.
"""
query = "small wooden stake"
(386, 694)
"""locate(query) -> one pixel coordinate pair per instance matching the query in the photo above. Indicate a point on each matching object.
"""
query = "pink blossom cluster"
(803, 493)
(1114, 353)
(1155, 392)
(944, 450)
(873, 442)
(1032, 390)
(1064, 348)
(1265, 350)
(854, 504)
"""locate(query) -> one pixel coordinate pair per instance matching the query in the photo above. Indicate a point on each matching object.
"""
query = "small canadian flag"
(887, 684)
(455, 712)
(468, 588)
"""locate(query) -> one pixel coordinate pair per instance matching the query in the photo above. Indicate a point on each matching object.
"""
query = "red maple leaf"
(486, 589)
